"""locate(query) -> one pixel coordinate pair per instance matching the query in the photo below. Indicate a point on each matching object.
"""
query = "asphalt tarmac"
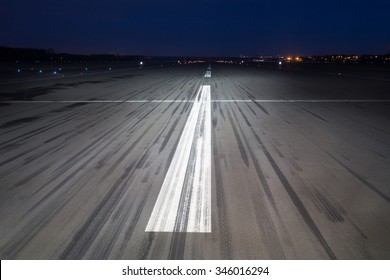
(196, 162)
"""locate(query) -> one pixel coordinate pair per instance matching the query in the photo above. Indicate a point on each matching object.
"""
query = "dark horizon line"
(54, 52)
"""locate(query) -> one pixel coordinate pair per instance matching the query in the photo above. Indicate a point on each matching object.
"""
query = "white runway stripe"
(184, 201)
(300, 100)
(191, 101)
(208, 74)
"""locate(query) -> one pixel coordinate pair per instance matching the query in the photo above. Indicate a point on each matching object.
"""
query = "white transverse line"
(184, 201)
(208, 74)
(191, 101)
(63, 77)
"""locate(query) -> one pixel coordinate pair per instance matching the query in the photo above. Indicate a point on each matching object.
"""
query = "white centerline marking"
(208, 74)
(184, 201)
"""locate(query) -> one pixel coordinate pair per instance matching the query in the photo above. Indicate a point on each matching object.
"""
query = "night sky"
(198, 28)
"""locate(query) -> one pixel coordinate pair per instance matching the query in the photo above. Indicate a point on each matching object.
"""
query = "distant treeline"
(43, 55)
(30, 54)
(343, 58)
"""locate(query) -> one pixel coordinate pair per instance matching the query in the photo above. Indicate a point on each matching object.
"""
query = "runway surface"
(196, 162)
